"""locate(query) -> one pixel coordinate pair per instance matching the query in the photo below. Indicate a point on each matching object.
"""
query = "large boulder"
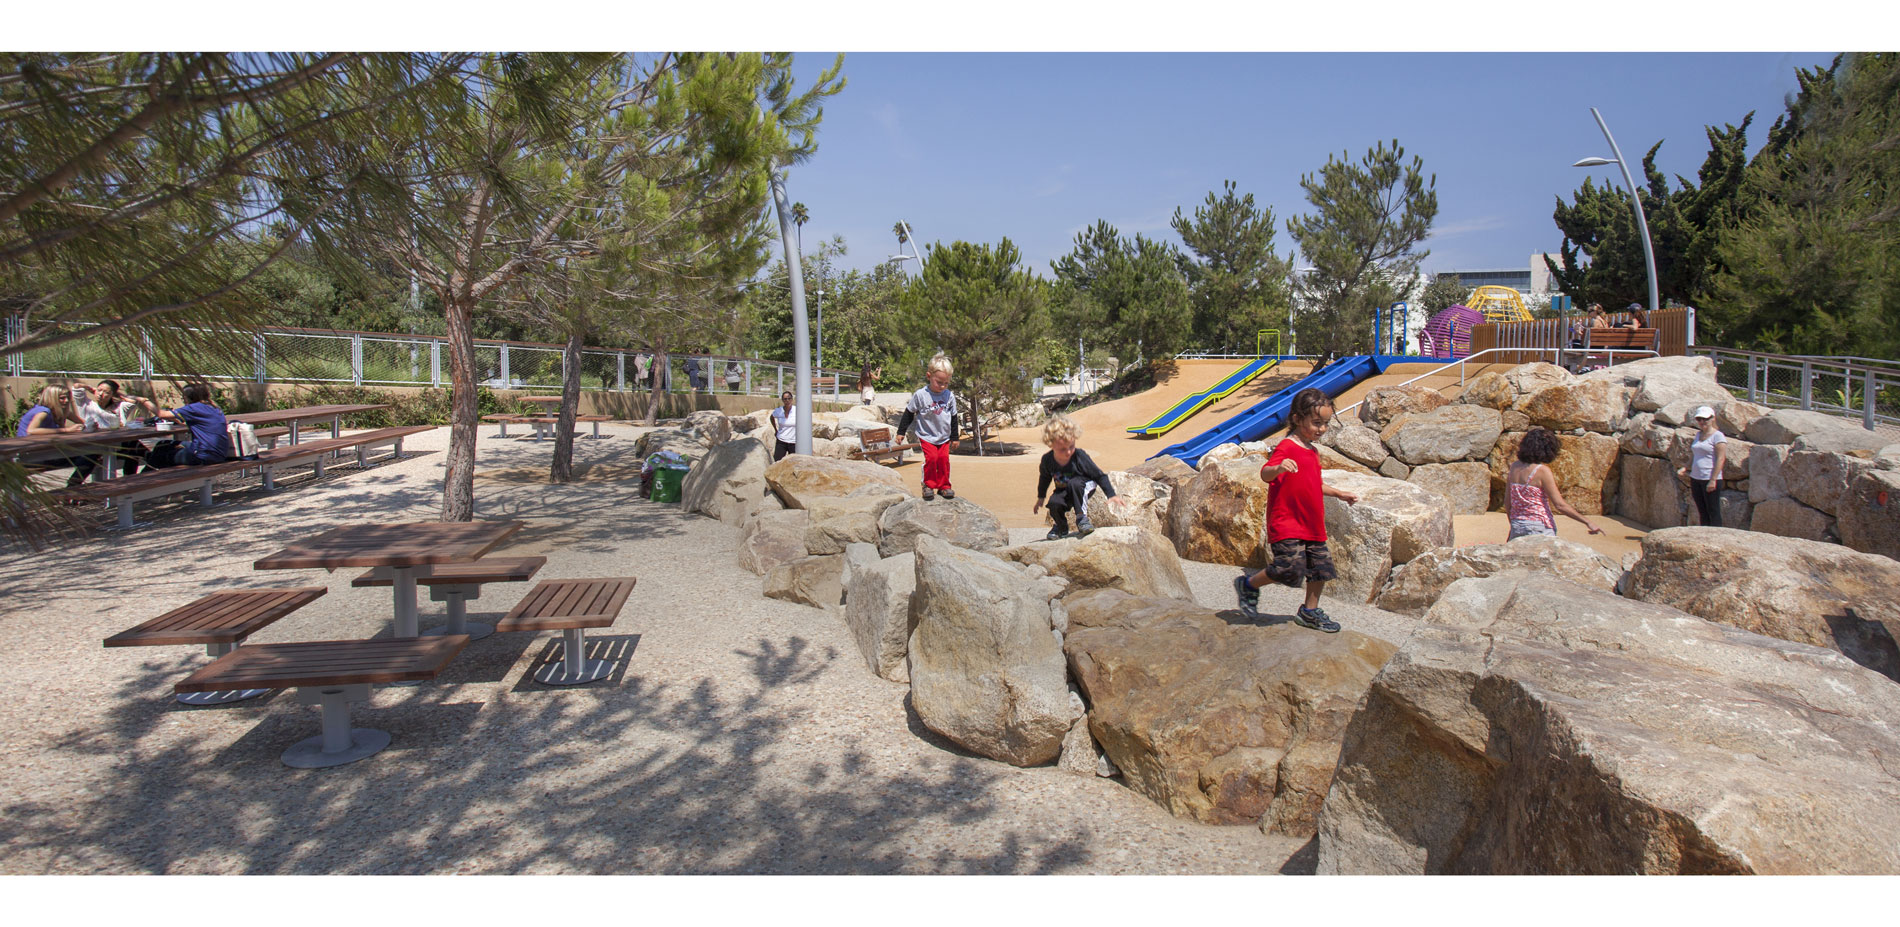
(1357, 442)
(680, 441)
(1467, 485)
(815, 581)
(1790, 519)
(958, 521)
(1804, 591)
(1585, 470)
(1232, 451)
(1168, 471)
(1220, 516)
(1381, 405)
(1137, 562)
(837, 521)
(1526, 380)
(1144, 504)
(1690, 382)
(1870, 513)
(1390, 524)
(1330, 459)
(985, 668)
(1597, 405)
(1489, 389)
(1764, 472)
(1784, 426)
(769, 539)
(1680, 413)
(729, 482)
(1646, 434)
(1220, 723)
(1551, 728)
(1648, 492)
(800, 478)
(710, 427)
(1416, 585)
(1444, 435)
(865, 412)
(1819, 478)
(877, 610)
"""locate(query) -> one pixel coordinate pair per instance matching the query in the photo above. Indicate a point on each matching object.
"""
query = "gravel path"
(738, 735)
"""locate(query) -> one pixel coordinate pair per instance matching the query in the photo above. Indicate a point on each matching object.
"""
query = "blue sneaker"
(1316, 619)
(1248, 595)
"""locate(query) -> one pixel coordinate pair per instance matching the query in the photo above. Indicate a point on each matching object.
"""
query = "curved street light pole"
(1642, 223)
(801, 337)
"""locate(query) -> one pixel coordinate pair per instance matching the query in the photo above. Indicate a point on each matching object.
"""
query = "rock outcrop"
(1220, 516)
(728, 483)
(877, 610)
(1550, 728)
(1416, 585)
(814, 581)
(1466, 486)
(1390, 524)
(1144, 504)
(1137, 562)
(800, 478)
(1444, 435)
(958, 521)
(769, 539)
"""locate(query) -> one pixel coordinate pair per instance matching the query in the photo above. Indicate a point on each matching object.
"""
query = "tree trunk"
(659, 381)
(976, 422)
(458, 473)
(562, 469)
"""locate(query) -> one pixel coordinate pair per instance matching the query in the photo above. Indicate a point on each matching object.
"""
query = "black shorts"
(1295, 562)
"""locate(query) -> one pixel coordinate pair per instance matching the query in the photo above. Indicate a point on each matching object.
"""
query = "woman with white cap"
(1707, 455)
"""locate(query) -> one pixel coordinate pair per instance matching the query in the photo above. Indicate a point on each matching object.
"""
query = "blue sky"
(1037, 147)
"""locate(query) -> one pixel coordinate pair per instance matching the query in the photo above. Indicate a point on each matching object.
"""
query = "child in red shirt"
(1296, 515)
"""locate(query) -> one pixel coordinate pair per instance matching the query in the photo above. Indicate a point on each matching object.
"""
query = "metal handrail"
(1871, 375)
(1460, 364)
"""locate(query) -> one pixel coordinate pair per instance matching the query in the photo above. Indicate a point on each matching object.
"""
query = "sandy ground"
(738, 734)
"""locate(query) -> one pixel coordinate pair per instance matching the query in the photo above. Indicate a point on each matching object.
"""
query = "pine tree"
(1128, 296)
(1236, 282)
(978, 305)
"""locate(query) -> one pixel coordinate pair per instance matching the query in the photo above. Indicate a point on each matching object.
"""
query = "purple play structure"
(1448, 334)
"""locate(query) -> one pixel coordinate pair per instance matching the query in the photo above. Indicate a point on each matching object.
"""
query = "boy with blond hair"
(1070, 468)
(933, 408)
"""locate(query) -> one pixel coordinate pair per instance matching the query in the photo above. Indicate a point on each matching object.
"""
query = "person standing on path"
(784, 427)
(934, 410)
(1531, 489)
(1708, 454)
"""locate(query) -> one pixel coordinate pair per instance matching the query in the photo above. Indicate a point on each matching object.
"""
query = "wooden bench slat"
(326, 663)
(219, 618)
(474, 572)
(561, 604)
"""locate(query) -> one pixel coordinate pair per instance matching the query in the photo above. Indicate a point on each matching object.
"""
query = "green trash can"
(666, 484)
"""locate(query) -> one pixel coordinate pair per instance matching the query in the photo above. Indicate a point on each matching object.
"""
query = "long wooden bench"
(458, 583)
(220, 621)
(1613, 341)
(543, 424)
(330, 674)
(571, 606)
(875, 445)
(125, 492)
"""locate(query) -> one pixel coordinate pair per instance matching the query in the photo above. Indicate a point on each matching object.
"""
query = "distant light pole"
(1642, 224)
(820, 362)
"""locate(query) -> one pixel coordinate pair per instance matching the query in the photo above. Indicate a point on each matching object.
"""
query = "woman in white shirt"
(784, 427)
(1708, 453)
(105, 408)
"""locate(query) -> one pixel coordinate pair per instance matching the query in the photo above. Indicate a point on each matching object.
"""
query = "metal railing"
(1556, 354)
(289, 355)
(1858, 387)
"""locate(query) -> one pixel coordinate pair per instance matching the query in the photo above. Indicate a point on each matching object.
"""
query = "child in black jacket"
(1070, 468)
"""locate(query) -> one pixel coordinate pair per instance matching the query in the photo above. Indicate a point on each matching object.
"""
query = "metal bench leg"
(218, 698)
(319, 466)
(204, 494)
(339, 743)
(398, 454)
(574, 667)
(270, 484)
(126, 523)
(457, 598)
(362, 456)
(503, 433)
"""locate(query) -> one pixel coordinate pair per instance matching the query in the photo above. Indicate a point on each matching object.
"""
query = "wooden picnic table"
(296, 417)
(43, 448)
(409, 550)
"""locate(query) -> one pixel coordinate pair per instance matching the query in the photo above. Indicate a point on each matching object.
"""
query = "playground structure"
(1390, 328)
(1181, 411)
(1448, 334)
(1498, 304)
(1269, 415)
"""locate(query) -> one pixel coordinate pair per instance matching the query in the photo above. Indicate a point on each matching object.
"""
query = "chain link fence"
(383, 359)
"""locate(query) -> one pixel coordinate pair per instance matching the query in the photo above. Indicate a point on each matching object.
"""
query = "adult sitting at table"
(106, 408)
(54, 415)
(210, 440)
(1636, 319)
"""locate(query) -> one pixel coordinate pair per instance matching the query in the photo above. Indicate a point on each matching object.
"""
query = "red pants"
(936, 465)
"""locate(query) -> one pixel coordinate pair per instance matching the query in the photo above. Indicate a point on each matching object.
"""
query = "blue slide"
(1270, 414)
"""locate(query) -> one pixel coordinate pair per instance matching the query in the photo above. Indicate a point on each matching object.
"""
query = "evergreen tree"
(1359, 242)
(1237, 284)
(1811, 265)
(979, 306)
(1684, 225)
(1128, 296)
(1444, 292)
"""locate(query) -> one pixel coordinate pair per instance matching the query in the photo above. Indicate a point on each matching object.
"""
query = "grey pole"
(801, 336)
(821, 317)
(1642, 224)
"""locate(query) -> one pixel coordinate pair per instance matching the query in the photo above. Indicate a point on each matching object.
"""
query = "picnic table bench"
(330, 674)
(457, 583)
(125, 492)
(875, 445)
(220, 621)
(571, 606)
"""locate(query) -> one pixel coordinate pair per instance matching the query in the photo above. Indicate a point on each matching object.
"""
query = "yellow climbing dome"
(1499, 304)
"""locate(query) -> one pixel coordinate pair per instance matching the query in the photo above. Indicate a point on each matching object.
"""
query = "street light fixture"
(1642, 224)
